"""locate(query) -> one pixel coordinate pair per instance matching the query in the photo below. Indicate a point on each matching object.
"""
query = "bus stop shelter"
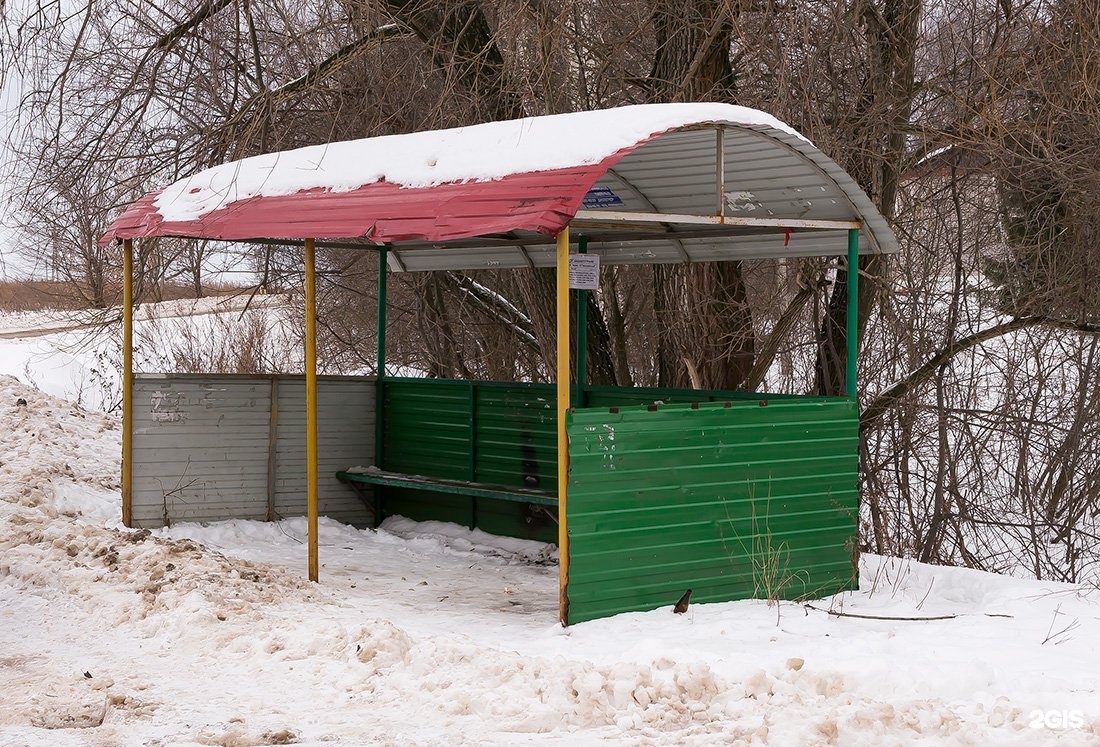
(731, 494)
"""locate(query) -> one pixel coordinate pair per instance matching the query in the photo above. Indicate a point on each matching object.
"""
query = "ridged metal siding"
(203, 447)
(511, 437)
(345, 438)
(777, 174)
(610, 396)
(495, 433)
(427, 428)
(516, 437)
(733, 500)
(200, 449)
(487, 432)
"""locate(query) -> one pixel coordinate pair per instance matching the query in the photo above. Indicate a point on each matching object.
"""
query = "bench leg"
(373, 503)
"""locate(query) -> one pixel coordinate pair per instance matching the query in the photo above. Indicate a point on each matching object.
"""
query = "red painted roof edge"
(541, 201)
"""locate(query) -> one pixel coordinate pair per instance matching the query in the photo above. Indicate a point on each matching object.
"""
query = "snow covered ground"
(429, 634)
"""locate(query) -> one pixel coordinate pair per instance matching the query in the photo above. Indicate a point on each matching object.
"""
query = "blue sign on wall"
(599, 197)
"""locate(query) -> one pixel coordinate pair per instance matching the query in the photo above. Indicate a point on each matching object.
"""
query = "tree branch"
(770, 347)
(337, 60)
(206, 10)
(873, 413)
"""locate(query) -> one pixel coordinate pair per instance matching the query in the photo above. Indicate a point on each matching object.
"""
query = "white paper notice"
(584, 271)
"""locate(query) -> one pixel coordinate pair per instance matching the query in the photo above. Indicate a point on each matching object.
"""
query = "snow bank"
(56, 456)
(429, 634)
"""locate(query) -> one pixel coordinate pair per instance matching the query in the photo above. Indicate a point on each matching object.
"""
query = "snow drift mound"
(59, 523)
(124, 576)
(55, 455)
(222, 650)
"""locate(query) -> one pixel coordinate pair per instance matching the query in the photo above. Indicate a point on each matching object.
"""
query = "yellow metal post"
(128, 382)
(563, 407)
(311, 408)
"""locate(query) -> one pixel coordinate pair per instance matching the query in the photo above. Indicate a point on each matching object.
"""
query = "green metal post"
(582, 335)
(380, 375)
(853, 310)
(381, 359)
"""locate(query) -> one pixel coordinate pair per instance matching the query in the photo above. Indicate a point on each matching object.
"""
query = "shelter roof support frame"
(563, 389)
(128, 382)
(582, 333)
(311, 406)
(380, 375)
(853, 312)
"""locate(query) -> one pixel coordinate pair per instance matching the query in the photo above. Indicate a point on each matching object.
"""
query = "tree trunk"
(713, 335)
(884, 112)
(539, 289)
(463, 47)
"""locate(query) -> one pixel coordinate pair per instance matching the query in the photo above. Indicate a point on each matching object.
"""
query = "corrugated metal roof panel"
(671, 171)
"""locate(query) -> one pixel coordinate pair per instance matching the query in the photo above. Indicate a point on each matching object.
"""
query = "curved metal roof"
(647, 184)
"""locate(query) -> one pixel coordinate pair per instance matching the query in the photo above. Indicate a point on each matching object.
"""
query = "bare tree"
(974, 127)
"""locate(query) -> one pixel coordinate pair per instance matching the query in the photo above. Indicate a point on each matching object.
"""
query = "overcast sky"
(10, 266)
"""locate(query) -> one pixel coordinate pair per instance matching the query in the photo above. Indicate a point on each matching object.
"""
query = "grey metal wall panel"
(200, 449)
(345, 438)
(204, 447)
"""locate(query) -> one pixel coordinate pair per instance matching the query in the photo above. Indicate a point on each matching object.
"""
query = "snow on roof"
(425, 159)
(493, 195)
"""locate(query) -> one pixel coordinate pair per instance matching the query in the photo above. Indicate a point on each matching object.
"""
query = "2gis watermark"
(1055, 719)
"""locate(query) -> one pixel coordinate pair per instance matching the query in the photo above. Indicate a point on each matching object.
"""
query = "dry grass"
(34, 295)
(38, 295)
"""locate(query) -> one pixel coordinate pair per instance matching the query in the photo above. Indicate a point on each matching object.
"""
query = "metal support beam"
(563, 408)
(379, 384)
(380, 360)
(720, 172)
(853, 311)
(526, 257)
(582, 334)
(128, 382)
(311, 408)
(397, 260)
(615, 216)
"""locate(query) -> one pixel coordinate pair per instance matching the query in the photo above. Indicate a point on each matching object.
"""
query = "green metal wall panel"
(612, 396)
(732, 499)
(522, 520)
(488, 432)
(426, 429)
(516, 438)
(663, 501)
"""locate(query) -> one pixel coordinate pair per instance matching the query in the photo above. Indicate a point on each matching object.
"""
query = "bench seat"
(457, 487)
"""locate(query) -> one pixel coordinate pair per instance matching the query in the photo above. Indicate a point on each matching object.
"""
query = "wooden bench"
(441, 485)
